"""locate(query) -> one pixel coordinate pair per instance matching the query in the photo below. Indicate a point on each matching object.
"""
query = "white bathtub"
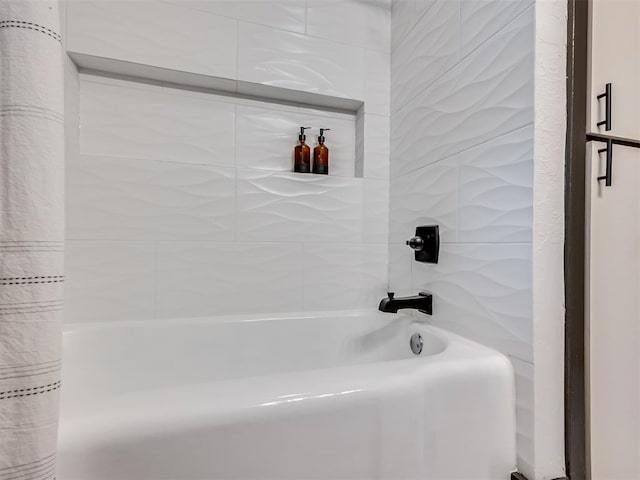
(336, 395)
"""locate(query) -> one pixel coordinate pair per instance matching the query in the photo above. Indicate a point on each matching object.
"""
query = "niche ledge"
(266, 93)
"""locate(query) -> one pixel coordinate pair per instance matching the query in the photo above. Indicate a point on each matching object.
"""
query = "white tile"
(267, 137)
(488, 94)
(402, 154)
(422, 6)
(153, 33)
(203, 278)
(496, 190)
(400, 259)
(403, 17)
(376, 211)
(480, 19)
(377, 82)
(359, 170)
(428, 51)
(109, 280)
(363, 24)
(376, 146)
(121, 198)
(144, 121)
(428, 196)
(284, 14)
(298, 62)
(344, 276)
(298, 207)
(483, 292)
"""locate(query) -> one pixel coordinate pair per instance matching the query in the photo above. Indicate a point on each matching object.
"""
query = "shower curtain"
(31, 236)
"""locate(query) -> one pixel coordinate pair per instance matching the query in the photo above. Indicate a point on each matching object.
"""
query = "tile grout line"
(459, 62)
(448, 157)
(272, 27)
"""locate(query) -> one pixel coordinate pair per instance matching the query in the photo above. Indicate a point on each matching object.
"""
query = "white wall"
(546, 415)
(181, 201)
(469, 152)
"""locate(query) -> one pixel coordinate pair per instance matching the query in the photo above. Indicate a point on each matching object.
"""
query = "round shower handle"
(416, 243)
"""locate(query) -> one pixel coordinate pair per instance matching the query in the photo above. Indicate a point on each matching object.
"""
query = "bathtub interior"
(111, 358)
(332, 395)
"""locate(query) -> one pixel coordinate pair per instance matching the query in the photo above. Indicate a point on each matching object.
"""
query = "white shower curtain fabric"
(31, 236)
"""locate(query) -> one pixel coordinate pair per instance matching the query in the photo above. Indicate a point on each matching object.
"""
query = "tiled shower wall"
(462, 129)
(180, 202)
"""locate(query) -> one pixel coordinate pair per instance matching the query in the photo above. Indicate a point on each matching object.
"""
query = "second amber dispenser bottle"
(321, 155)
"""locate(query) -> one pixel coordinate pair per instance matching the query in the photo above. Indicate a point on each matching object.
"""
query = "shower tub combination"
(334, 395)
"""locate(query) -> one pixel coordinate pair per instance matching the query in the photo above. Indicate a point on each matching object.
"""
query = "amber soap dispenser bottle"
(302, 154)
(321, 155)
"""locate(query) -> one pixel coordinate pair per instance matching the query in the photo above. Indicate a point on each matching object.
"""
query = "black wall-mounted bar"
(607, 107)
(626, 142)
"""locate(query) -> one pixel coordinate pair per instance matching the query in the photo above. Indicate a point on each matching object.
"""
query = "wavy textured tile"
(298, 62)
(130, 119)
(153, 33)
(376, 211)
(266, 138)
(376, 146)
(402, 153)
(488, 94)
(116, 198)
(427, 196)
(108, 280)
(403, 14)
(400, 259)
(359, 170)
(363, 24)
(377, 82)
(204, 278)
(483, 292)
(422, 6)
(344, 276)
(284, 14)
(496, 190)
(298, 207)
(429, 50)
(480, 19)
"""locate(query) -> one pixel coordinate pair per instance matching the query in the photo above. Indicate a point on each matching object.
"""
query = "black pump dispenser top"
(302, 136)
(321, 137)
